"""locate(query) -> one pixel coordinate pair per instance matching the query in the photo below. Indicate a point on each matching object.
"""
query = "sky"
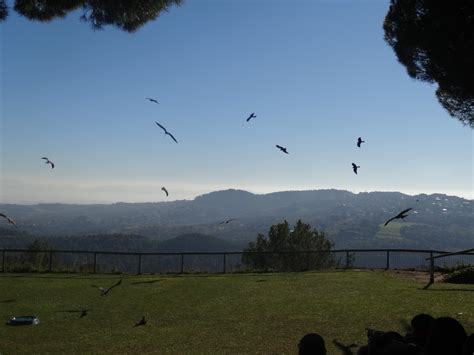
(318, 74)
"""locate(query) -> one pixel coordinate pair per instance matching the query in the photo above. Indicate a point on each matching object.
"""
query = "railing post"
(431, 268)
(182, 263)
(387, 266)
(139, 264)
(95, 263)
(50, 261)
(347, 259)
(223, 269)
(3, 260)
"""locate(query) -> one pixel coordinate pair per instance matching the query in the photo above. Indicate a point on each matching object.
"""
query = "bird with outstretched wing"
(104, 291)
(48, 162)
(252, 115)
(401, 215)
(152, 100)
(355, 167)
(283, 149)
(9, 220)
(166, 132)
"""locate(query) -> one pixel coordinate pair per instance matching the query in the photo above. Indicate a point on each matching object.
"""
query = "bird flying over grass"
(104, 291)
(48, 162)
(9, 220)
(283, 149)
(359, 141)
(355, 167)
(401, 215)
(152, 100)
(141, 322)
(166, 132)
(252, 115)
(227, 221)
(166, 191)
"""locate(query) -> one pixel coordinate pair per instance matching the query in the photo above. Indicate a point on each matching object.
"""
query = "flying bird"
(359, 141)
(104, 291)
(227, 221)
(354, 168)
(401, 215)
(166, 132)
(252, 115)
(141, 322)
(48, 162)
(9, 220)
(282, 149)
(152, 100)
(166, 191)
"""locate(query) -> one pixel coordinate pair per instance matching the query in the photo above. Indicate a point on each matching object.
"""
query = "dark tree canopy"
(434, 40)
(268, 253)
(128, 15)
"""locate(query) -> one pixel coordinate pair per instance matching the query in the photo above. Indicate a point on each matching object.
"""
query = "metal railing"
(87, 261)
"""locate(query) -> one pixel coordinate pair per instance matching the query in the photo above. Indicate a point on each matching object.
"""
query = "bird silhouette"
(283, 149)
(104, 291)
(141, 322)
(166, 132)
(152, 100)
(166, 191)
(354, 168)
(401, 215)
(48, 162)
(227, 221)
(359, 141)
(252, 115)
(9, 220)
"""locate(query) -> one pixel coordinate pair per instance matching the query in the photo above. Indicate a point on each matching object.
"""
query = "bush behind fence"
(15, 260)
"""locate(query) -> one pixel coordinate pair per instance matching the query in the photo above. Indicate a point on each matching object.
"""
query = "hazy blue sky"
(318, 74)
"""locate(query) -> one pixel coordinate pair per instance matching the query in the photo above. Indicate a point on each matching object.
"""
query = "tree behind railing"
(24, 260)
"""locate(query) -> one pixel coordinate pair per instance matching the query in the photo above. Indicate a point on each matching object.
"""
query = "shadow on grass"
(346, 349)
(451, 290)
(145, 282)
(8, 301)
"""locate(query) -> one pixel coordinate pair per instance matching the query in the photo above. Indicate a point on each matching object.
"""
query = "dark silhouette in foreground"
(446, 336)
(283, 149)
(355, 167)
(141, 322)
(419, 329)
(166, 132)
(48, 162)
(425, 336)
(9, 220)
(359, 141)
(252, 115)
(401, 215)
(312, 344)
(105, 291)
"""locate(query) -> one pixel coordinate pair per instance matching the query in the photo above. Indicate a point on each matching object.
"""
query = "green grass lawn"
(239, 313)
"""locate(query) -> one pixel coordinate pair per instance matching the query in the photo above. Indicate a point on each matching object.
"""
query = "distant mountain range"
(350, 220)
